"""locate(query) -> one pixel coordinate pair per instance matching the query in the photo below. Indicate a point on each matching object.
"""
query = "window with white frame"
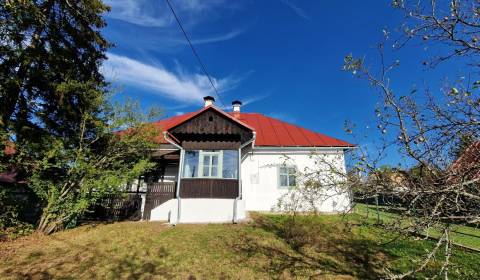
(287, 176)
(211, 164)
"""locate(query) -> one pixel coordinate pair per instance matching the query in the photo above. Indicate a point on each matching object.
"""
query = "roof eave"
(217, 110)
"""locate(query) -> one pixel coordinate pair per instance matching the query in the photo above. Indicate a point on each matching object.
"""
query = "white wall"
(199, 210)
(202, 210)
(165, 212)
(260, 191)
(260, 176)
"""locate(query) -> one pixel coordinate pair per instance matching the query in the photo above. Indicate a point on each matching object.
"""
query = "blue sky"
(282, 58)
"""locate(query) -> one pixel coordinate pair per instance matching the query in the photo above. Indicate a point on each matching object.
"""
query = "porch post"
(239, 177)
(180, 172)
(240, 173)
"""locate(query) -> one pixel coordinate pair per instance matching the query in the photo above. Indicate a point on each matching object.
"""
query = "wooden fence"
(117, 207)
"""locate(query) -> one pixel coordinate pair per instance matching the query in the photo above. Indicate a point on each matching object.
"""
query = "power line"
(195, 52)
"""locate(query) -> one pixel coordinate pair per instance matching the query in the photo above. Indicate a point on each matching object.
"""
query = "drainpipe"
(180, 169)
(235, 202)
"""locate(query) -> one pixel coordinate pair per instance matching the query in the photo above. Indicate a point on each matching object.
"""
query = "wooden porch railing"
(208, 188)
(157, 194)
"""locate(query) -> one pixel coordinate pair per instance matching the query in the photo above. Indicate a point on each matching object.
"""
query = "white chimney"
(236, 106)
(209, 100)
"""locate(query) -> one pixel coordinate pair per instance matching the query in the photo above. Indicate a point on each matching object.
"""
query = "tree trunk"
(49, 222)
(48, 225)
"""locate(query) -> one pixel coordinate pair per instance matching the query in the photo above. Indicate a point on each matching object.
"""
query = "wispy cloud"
(180, 85)
(153, 17)
(140, 12)
(217, 38)
(154, 13)
(296, 9)
(256, 98)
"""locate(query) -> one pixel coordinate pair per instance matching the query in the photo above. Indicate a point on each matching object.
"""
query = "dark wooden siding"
(210, 145)
(211, 123)
(208, 188)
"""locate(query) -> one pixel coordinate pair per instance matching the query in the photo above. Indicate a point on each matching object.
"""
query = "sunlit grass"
(325, 247)
(463, 235)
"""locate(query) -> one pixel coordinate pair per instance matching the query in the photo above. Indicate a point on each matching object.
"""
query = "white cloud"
(155, 13)
(152, 23)
(180, 85)
(139, 12)
(217, 38)
(258, 97)
(296, 9)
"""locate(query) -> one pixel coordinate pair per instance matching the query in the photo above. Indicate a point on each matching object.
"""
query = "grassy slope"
(468, 236)
(322, 246)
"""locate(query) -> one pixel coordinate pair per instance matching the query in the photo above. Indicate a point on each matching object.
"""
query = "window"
(211, 164)
(230, 164)
(287, 176)
(190, 167)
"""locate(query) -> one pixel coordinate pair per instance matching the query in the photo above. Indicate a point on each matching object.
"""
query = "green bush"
(11, 225)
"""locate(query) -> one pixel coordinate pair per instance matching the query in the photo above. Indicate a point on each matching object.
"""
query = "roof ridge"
(285, 134)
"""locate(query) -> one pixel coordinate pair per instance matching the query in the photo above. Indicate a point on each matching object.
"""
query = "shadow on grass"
(309, 248)
(87, 261)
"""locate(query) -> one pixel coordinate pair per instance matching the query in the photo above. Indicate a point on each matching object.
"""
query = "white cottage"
(215, 166)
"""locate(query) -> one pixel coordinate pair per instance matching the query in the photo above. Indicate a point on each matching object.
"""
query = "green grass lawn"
(463, 235)
(322, 247)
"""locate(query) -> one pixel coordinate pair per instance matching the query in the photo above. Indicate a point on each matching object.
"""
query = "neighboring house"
(223, 164)
(466, 168)
(10, 176)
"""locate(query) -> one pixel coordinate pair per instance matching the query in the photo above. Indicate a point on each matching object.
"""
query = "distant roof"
(466, 165)
(9, 148)
(270, 132)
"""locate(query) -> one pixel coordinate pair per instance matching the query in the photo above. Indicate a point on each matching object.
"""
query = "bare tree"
(435, 131)
(438, 191)
(323, 187)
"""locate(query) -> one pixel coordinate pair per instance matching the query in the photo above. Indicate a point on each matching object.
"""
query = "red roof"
(466, 166)
(9, 148)
(270, 132)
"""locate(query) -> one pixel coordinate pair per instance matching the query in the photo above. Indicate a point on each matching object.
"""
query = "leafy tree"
(56, 109)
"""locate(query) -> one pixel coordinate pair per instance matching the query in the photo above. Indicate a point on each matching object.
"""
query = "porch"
(198, 175)
(161, 192)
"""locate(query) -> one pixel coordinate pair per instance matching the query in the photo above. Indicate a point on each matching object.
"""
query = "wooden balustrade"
(208, 188)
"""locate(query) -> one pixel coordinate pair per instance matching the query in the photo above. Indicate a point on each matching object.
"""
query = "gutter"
(304, 148)
(235, 202)
(300, 150)
(180, 169)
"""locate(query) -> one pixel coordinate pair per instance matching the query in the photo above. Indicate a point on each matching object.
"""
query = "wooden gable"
(211, 126)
